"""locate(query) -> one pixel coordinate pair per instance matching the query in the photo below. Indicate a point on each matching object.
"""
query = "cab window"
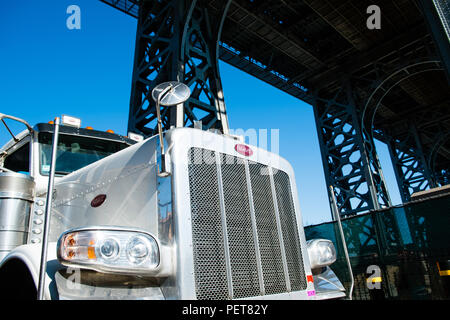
(74, 152)
(19, 160)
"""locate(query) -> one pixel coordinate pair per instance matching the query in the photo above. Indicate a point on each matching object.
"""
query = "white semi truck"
(213, 218)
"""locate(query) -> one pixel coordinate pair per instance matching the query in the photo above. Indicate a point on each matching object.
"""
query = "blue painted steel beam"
(410, 165)
(349, 166)
(437, 14)
(177, 41)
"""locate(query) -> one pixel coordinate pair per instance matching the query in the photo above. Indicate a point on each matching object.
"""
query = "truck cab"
(30, 151)
(221, 221)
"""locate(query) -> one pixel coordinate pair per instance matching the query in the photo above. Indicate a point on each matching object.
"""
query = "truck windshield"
(74, 152)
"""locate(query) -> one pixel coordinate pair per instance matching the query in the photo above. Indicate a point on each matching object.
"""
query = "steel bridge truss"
(181, 40)
(407, 155)
(410, 166)
(177, 40)
(410, 161)
(350, 166)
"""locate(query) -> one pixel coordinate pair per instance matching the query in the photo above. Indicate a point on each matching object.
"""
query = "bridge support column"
(438, 156)
(350, 164)
(176, 40)
(409, 162)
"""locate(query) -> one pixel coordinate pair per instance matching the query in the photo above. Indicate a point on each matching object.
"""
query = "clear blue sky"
(47, 70)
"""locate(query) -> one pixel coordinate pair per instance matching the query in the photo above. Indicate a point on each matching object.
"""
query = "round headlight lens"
(109, 249)
(137, 250)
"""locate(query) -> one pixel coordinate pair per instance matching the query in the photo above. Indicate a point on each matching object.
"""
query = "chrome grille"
(289, 230)
(239, 229)
(269, 244)
(244, 230)
(208, 244)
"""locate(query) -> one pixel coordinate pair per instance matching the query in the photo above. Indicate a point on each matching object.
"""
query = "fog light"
(321, 253)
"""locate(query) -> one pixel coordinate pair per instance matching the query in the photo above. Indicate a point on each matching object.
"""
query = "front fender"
(327, 285)
(30, 256)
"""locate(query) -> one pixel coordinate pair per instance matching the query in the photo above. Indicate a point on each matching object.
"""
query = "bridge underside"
(390, 84)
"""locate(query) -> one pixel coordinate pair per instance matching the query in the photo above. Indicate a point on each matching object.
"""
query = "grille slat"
(289, 231)
(207, 235)
(239, 230)
(235, 229)
(269, 244)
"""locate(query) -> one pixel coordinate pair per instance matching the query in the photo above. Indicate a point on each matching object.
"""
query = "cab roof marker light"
(136, 137)
(71, 121)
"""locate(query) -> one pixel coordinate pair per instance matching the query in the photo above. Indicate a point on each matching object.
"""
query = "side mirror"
(168, 94)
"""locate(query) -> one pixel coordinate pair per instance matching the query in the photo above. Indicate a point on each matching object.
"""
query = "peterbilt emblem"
(98, 200)
(243, 149)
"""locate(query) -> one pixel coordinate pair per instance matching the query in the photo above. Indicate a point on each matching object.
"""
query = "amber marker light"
(91, 253)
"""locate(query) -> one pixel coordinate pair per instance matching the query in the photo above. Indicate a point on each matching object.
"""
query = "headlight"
(109, 250)
(321, 253)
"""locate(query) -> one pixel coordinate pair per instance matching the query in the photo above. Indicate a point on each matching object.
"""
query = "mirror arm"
(174, 93)
(3, 116)
(163, 172)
